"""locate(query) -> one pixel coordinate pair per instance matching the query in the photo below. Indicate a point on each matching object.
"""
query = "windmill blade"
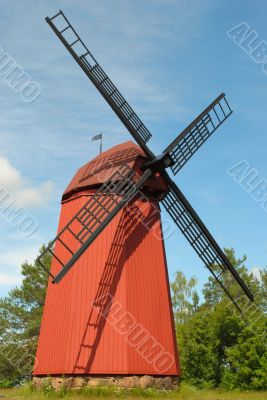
(74, 44)
(202, 241)
(196, 134)
(92, 218)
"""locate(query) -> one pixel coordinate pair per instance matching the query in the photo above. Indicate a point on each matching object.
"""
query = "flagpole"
(99, 137)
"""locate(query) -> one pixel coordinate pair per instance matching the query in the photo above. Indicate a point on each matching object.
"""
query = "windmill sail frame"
(174, 156)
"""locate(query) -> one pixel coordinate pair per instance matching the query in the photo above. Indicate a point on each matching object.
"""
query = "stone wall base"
(144, 382)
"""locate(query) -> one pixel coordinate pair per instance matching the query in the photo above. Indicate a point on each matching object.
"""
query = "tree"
(263, 289)
(214, 294)
(20, 319)
(197, 350)
(246, 366)
(217, 347)
(184, 297)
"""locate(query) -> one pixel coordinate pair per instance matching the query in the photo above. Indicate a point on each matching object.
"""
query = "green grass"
(184, 393)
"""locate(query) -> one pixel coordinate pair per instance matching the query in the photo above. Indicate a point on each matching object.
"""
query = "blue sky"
(170, 59)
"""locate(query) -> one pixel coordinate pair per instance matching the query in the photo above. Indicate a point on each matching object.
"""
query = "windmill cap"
(94, 173)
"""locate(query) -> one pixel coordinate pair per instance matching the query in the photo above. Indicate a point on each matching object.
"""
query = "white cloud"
(10, 264)
(256, 272)
(12, 260)
(35, 197)
(6, 279)
(27, 195)
(10, 177)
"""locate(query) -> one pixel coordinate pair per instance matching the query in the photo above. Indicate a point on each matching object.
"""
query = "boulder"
(167, 383)
(127, 382)
(57, 383)
(37, 382)
(146, 381)
(78, 383)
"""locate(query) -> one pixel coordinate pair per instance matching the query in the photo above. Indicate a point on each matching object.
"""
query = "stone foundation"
(144, 382)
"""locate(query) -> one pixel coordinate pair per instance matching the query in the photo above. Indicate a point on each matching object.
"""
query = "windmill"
(105, 229)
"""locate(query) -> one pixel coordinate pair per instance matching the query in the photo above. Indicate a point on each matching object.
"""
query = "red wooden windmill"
(111, 314)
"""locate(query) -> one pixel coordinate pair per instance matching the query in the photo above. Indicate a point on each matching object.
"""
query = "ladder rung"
(81, 235)
(205, 249)
(84, 59)
(46, 269)
(103, 80)
(212, 124)
(94, 67)
(220, 274)
(132, 114)
(85, 54)
(139, 126)
(75, 41)
(123, 103)
(112, 93)
(76, 237)
(81, 221)
(85, 227)
(227, 104)
(67, 247)
(212, 261)
(216, 114)
(222, 109)
(179, 214)
(53, 254)
(205, 118)
(55, 16)
(63, 30)
(197, 237)
(95, 213)
(187, 226)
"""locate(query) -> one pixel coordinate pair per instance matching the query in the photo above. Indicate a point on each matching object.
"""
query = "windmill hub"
(160, 162)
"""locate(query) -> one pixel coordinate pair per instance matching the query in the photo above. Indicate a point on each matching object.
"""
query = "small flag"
(97, 137)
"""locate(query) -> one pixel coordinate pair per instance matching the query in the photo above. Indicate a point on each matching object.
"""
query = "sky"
(170, 59)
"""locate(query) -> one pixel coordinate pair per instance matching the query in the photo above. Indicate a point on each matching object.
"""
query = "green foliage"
(247, 362)
(184, 297)
(20, 317)
(6, 383)
(217, 347)
(198, 359)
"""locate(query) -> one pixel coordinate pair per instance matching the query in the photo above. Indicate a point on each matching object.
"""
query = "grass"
(184, 393)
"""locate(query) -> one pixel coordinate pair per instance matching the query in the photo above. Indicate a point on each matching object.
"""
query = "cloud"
(27, 195)
(6, 279)
(11, 261)
(256, 272)
(35, 197)
(10, 177)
